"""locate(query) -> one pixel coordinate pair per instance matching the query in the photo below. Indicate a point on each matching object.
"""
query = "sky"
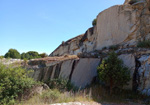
(42, 25)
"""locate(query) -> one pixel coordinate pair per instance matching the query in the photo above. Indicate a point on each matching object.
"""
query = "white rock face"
(121, 24)
(66, 68)
(36, 74)
(129, 61)
(79, 71)
(10, 61)
(84, 71)
(144, 73)
(114, 25)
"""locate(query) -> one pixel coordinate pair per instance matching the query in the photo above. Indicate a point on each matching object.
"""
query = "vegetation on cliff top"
(13, 53)
(94, 22)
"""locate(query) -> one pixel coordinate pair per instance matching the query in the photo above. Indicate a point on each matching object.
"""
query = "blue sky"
(41, 25)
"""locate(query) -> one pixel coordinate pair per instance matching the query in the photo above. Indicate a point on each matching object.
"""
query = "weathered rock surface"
(144, 74)
(84, 70)
(122, 25)
(80, 71)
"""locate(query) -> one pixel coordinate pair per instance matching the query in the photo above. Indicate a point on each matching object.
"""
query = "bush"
(94, 22)
(144, 44)
(51, 95)
(104, 48)
(13, 81)
(13, 53)
(42, 55)
(30, 55)
(1, 57)
(114, 47)
(61, 84)
(113, 73)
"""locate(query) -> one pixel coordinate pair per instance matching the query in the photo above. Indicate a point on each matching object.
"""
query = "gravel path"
(94, 103)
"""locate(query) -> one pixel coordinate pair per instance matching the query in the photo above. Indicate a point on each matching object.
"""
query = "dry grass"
(55, 96)
(101, 94)
(95, 93)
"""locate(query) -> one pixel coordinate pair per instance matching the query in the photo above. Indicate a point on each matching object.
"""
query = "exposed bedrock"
(122, 25)
(79, 71)
(82, 71)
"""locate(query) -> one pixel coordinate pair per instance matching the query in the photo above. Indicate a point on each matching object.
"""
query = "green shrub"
(13, 81)
(94, 22)
(61, 84)
(13, 53)
(51, 95)
(114, 47)
(144, 44)
(42, 55)
(104, 48)
(113, 73)
(30, 55)
(1, 57)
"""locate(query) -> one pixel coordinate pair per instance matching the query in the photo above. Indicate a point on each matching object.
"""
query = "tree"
(30, 55)
(113, 73)
(23, 55)
(94, 22)
(12, 53)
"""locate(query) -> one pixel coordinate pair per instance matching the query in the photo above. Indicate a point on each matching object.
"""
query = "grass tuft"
(144, 44)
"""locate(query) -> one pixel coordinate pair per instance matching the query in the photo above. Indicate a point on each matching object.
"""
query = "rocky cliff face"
(80, 71)
(122, 25)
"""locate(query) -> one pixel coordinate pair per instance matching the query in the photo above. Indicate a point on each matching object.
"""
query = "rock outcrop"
(80, 71)
(123, 25)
